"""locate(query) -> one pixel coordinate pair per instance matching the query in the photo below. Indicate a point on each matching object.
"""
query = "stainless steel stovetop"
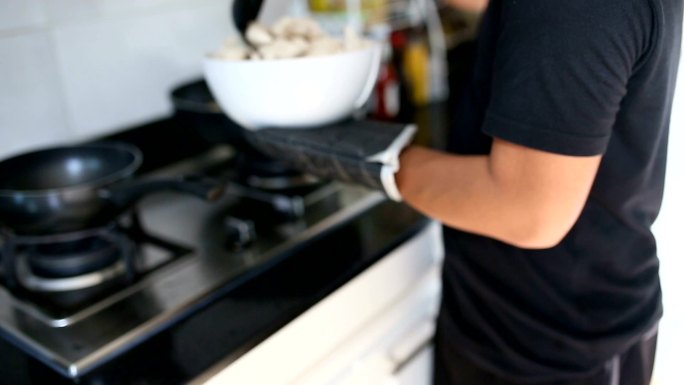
(193, 252)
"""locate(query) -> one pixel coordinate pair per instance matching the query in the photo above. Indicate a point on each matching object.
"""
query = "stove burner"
(267, 207)
(260, 213)
(67, 262)
(73, 258)
(74, 265)
(260, 172)
(34, 282)
(61, 278)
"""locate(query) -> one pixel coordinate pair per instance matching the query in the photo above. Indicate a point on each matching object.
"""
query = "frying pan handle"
(124, 195)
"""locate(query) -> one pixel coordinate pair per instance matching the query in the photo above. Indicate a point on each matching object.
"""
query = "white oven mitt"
(363, 152)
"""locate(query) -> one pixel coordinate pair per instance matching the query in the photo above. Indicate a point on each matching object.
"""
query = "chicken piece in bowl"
(298, 77)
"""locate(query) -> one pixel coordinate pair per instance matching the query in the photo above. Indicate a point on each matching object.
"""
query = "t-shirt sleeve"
(561, 70)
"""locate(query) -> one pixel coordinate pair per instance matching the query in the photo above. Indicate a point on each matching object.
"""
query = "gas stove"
(75, 301)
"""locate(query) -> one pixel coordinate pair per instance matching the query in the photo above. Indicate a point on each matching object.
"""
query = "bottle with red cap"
(386, 100)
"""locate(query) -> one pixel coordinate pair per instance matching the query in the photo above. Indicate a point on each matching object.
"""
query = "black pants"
(634, 367)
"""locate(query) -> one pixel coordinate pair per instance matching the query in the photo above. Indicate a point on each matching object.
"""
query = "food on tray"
(289, 38)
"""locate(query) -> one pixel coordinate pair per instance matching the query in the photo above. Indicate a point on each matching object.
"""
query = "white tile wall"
(31, 112)
(61, 11)
(20, 13)
(118, 72)
(272, 10)
(74, 69)
(118, 7)
(69, 10)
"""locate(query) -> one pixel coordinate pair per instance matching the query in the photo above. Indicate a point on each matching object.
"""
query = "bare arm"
(468, 5)
(521, 196)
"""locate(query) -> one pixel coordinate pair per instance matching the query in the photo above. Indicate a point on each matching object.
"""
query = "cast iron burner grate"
(75, 258)
(62, 274)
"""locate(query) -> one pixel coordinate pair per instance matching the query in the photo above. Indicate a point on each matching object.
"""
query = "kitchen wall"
(76, 69)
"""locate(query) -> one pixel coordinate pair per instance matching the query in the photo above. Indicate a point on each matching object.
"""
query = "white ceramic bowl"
(293, 93)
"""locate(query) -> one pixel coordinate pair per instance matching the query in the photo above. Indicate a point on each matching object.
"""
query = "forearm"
(490, 195)
(461, 192)
(519, 195)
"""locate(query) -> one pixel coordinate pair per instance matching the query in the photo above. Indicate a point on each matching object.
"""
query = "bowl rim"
(372, 46)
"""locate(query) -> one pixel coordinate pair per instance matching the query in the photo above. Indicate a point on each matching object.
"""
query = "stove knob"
(240, 233)
(291, 207)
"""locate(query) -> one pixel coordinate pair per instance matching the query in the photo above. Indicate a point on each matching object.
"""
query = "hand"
(360, 152)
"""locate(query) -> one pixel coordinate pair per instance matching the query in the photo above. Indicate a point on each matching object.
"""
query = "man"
(554, 177)
(575, 97)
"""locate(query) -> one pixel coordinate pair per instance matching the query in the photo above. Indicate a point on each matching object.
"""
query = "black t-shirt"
(574, 77)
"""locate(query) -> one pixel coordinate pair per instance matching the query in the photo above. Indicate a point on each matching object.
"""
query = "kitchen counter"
(235, 319)
(239, 319)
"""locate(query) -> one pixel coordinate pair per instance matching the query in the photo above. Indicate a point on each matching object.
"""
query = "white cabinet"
(392, 350)
(374, 330)
(417, 371)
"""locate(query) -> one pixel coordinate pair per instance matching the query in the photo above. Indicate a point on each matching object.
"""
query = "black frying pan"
(73, 188)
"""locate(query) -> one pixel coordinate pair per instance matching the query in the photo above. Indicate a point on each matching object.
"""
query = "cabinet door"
(418, 370)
